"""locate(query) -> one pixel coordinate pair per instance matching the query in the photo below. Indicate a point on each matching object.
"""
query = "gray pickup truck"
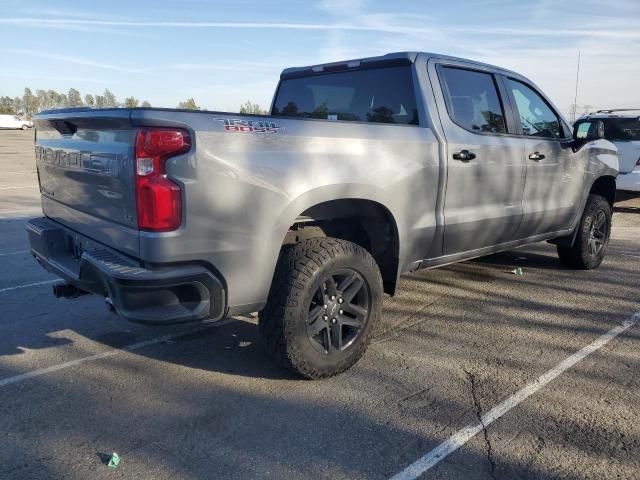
(364, 170)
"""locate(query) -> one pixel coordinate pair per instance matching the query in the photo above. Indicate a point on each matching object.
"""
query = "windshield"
(382, 95)
(622, 129)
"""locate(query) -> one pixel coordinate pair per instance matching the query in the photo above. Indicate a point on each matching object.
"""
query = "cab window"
(536, 117)
(472, 100)
(378, 95)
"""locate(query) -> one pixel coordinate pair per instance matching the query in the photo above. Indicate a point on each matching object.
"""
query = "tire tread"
(294, 271)
(576, 256)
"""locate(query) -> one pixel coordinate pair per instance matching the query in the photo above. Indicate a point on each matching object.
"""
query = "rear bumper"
(166, 294)
(629, 181)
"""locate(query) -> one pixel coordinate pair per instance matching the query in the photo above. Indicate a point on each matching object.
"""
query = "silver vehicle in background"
(622, 128)
(364, 169)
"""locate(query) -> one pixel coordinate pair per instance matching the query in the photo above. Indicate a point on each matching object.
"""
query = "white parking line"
(18, 173)
(110, 353)
(8, 289)
(457, 440)
(21, 186)
(14, 253)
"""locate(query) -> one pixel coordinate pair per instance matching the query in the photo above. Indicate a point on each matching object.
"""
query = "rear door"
(555, 173)
(485, 165)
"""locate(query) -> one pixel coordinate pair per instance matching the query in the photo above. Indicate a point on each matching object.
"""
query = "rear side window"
(382, 95)
(616, 129)
(472, 100)
(537, 118)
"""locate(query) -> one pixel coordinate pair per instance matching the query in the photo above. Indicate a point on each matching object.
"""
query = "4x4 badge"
(248, 126)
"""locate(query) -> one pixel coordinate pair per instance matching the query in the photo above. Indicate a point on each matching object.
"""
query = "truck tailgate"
(86, 173)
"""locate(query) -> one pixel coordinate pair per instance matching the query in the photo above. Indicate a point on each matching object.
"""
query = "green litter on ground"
(114, 460)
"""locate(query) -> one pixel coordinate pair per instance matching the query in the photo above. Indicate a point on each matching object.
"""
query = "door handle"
(537, 156)
(464, 155)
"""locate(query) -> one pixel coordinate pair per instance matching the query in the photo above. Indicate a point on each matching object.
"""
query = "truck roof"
(395, 58)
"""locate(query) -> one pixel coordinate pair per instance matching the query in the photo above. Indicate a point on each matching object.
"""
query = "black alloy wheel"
(339, 310)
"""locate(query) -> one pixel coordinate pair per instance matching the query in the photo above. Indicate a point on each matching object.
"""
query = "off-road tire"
(578, 255)
(299, 274)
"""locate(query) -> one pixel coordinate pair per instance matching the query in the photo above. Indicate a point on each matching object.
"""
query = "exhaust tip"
(66, 290)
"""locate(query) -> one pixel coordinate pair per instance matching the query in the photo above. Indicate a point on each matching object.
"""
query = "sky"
(223, 53)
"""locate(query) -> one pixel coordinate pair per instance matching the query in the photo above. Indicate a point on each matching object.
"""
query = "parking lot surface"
(203, 401)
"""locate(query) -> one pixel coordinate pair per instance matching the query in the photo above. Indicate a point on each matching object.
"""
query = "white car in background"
(622, 128)
(14, 122)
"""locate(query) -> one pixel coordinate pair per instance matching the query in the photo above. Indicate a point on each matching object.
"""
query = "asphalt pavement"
(203, 401)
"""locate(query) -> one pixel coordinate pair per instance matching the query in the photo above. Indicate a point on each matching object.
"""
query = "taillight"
(158, 199)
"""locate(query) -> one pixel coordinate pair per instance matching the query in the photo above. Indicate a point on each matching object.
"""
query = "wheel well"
(606, 187)
(363, 222)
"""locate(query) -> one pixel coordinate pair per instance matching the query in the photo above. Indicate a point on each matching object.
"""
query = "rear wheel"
(24, 127)
(323, 305)
(594, 229)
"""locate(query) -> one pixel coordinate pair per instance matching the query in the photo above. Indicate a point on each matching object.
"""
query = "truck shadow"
(236, 348)
(507, 261)
(219, 430)
(220, 411)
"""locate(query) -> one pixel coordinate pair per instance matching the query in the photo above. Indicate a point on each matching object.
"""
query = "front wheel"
(594, 229)
(324, 302)
(24, 127)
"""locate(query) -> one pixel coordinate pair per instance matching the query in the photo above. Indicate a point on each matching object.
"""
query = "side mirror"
(588, 130)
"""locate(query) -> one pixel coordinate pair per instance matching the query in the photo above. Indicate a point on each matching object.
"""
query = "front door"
(554, 172)
(485, 166)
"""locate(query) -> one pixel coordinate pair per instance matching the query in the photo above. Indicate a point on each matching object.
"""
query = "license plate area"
(74, 247)
(77, 245)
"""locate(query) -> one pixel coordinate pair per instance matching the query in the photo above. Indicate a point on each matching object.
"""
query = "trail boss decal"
(249, 126)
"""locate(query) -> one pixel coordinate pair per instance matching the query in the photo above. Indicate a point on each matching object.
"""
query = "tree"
(29, 103)
(131, 102)
(17, 106)
(74, 98)
(89, 100)
(109, 99)
(189, 104)
(55, 99)
(48, 99)
(100, 102)
(252, 108)
(146, 104)
(7, 106)
(43, 100)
